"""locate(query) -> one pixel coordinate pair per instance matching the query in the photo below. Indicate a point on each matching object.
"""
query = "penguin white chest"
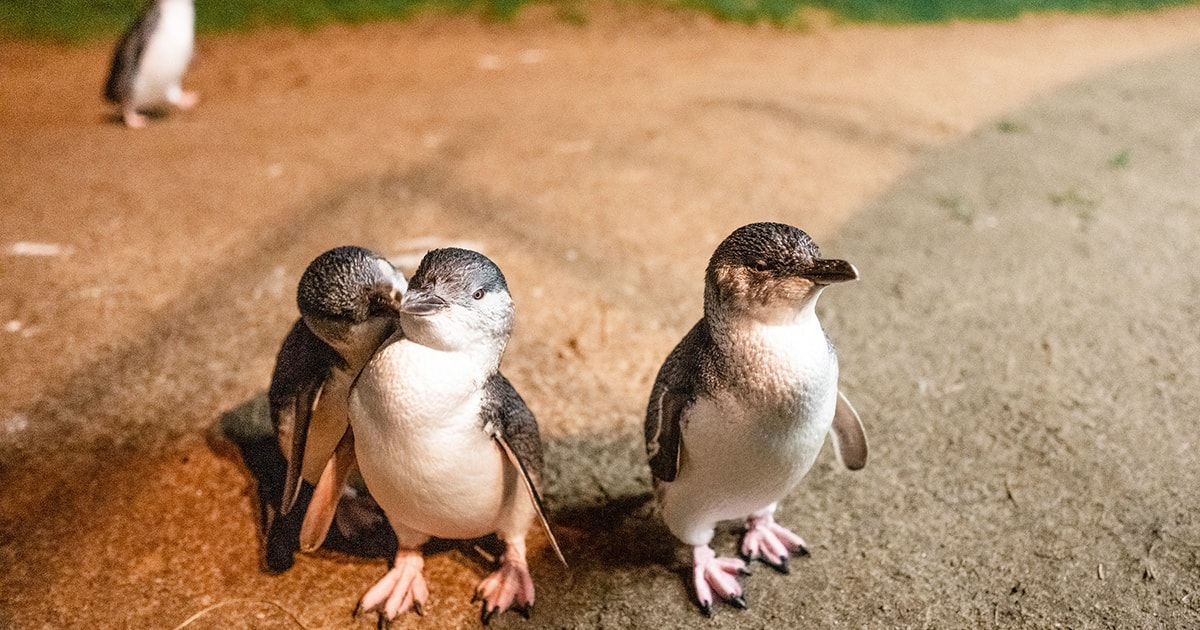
(759, 437)
(166, 56)
(788, 376)
(421, 446)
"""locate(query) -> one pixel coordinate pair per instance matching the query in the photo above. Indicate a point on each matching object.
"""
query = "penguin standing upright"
(349, 300)
(741, 407)
(150, 59)
(444, 442)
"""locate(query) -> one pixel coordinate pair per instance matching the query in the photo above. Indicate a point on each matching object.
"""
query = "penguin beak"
(394, 302)
(830, 271)
(385, 300)
(420, 303)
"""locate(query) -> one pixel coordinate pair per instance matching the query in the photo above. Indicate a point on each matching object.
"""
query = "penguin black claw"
(485, 615)
(783, 565)
(738, 601)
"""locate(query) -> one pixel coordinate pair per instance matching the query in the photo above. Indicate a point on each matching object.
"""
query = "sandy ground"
(1021, 199)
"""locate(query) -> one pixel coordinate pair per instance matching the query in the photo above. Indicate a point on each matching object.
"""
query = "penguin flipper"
(301, 414)
(849, 437)
(324, 502)
(510, 422)
(684, 376)
(303, 364)
(533, 495)
(663, 433)
(127, 55)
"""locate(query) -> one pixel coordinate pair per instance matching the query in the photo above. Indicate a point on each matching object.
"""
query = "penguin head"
(769, 271)
(345, 289)
(458, 299)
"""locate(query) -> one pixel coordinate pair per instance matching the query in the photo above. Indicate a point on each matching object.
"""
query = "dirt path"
(599, 166)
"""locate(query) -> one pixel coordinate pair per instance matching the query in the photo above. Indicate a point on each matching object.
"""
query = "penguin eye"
(478, 295)
(760, 265)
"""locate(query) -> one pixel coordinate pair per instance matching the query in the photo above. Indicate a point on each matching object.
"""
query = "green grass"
(83, 20)
(909, 11)
(915, 11)
(1122, 159)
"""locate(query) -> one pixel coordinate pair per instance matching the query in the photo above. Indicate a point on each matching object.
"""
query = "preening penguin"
(349, 301)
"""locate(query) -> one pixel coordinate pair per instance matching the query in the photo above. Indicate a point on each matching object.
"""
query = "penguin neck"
(775, 356)
(735, 313)
(355, 343)
(483, 350)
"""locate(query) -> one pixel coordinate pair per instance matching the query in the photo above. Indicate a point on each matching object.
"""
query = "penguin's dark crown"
(345, 283)
(457, 274)
(766, 247)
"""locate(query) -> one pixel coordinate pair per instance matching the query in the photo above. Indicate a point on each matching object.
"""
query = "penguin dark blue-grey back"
(741, 406)
(128, 52)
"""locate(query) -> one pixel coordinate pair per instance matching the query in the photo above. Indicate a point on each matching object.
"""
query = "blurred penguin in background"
(150, 59)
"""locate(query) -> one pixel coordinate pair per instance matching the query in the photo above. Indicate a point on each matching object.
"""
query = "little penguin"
(349, 302)
(740, 408)
(150, 59)
(445, 444)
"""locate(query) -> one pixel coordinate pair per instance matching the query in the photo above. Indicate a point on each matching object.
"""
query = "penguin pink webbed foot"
(510, 586)
(403, 587)
(716, 576)
(187, 100)
(772, 543)
(133, 119)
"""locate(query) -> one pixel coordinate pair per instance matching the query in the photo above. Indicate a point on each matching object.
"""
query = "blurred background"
(1015, 181)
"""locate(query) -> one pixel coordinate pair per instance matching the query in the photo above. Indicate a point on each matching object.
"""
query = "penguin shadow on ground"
(599, 500)
(595, 528)
(152, 116)
(244, 435)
